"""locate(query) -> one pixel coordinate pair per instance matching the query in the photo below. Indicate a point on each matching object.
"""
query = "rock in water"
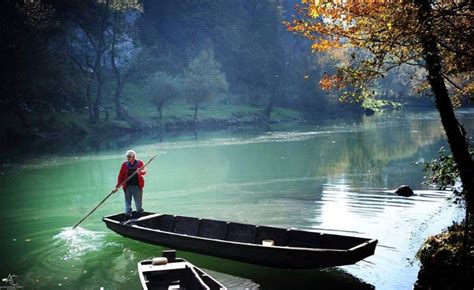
(404, 190)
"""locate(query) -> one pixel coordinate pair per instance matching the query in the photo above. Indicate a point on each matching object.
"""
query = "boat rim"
(361, 245)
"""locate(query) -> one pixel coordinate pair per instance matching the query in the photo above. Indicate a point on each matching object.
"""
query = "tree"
(203, 79)
(433, 34)
(125, 51)
(75, 48)
(94, 22)
(256, 67)
(32, 73)
(246, 36)
(161, 88)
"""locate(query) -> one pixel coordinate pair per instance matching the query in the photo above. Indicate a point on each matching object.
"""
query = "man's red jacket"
(123, 174)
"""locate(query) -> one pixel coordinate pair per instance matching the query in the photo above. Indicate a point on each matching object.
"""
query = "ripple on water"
(62, 258)
(76, 242)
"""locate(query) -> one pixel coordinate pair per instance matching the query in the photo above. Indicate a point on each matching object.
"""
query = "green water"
(335, 176)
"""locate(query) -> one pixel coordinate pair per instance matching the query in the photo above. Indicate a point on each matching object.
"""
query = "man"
(134, 186)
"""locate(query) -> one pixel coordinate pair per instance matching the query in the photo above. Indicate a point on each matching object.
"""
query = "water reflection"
(335, 178)
(251, 276)
(400, 224)
(77, 242)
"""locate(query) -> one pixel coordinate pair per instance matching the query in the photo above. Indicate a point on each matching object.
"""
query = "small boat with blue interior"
(260, 245)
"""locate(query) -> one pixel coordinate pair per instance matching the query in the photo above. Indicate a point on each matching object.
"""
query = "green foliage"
(124, 5)
(378, 104)
(88, 56)
(442, 171)
(37, 14)
(161, 88)
(203, 79)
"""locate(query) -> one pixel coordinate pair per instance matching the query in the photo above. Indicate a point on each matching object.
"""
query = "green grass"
(216, 111)
(283, 113)
(138, 108)
(142, 107)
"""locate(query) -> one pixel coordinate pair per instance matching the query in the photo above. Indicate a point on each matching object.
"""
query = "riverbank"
(445, 263)
(303, 176)
(176, 118)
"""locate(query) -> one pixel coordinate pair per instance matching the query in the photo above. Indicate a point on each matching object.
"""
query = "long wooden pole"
(112, 192)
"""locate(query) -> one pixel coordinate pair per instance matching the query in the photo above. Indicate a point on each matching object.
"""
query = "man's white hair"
(130, 152)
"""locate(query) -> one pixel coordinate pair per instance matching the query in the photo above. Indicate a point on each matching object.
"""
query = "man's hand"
(141, 171)
(115, 190)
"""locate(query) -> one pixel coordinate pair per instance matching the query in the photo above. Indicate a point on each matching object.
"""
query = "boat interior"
(183, 276)
(244, 233)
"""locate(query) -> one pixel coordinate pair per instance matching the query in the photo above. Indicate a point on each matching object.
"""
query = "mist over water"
(335, 178)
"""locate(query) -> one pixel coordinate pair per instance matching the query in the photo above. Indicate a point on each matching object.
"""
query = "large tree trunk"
(119, 78)
(89, 101)
(120, 111)
(52, 113)
(98, 71)
(158, 106)
(196, 105)
(98, 66)
(98, 100)
(269, 108)
(88, 77)
(454, 133)
(20, 114)
(99, 49)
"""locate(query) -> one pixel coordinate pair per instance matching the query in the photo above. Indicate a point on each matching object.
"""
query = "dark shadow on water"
(269, 278)
(266, 278)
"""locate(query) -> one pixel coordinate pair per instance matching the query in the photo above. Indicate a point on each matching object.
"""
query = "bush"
(441, 258)
(443, 172)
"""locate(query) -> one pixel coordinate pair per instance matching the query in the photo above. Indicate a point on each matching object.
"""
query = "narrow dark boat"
(169, 272)
(259, 245)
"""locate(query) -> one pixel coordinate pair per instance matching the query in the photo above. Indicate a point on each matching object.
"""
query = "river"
(335, 176)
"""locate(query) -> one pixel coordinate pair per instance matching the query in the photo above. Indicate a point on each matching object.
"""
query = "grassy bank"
(143, 117)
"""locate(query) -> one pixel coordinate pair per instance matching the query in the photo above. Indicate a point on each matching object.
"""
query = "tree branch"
(452, 82)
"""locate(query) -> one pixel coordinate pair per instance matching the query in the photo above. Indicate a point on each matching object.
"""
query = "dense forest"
(76, 65)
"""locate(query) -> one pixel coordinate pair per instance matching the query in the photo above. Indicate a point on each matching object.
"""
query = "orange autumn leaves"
(388, 35)
(329, 82)
(336, 24)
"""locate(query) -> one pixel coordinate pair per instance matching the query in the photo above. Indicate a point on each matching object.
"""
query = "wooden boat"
(259, 245)
(169, 272)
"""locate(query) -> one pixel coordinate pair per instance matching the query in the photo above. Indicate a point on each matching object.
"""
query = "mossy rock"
(441, 258)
